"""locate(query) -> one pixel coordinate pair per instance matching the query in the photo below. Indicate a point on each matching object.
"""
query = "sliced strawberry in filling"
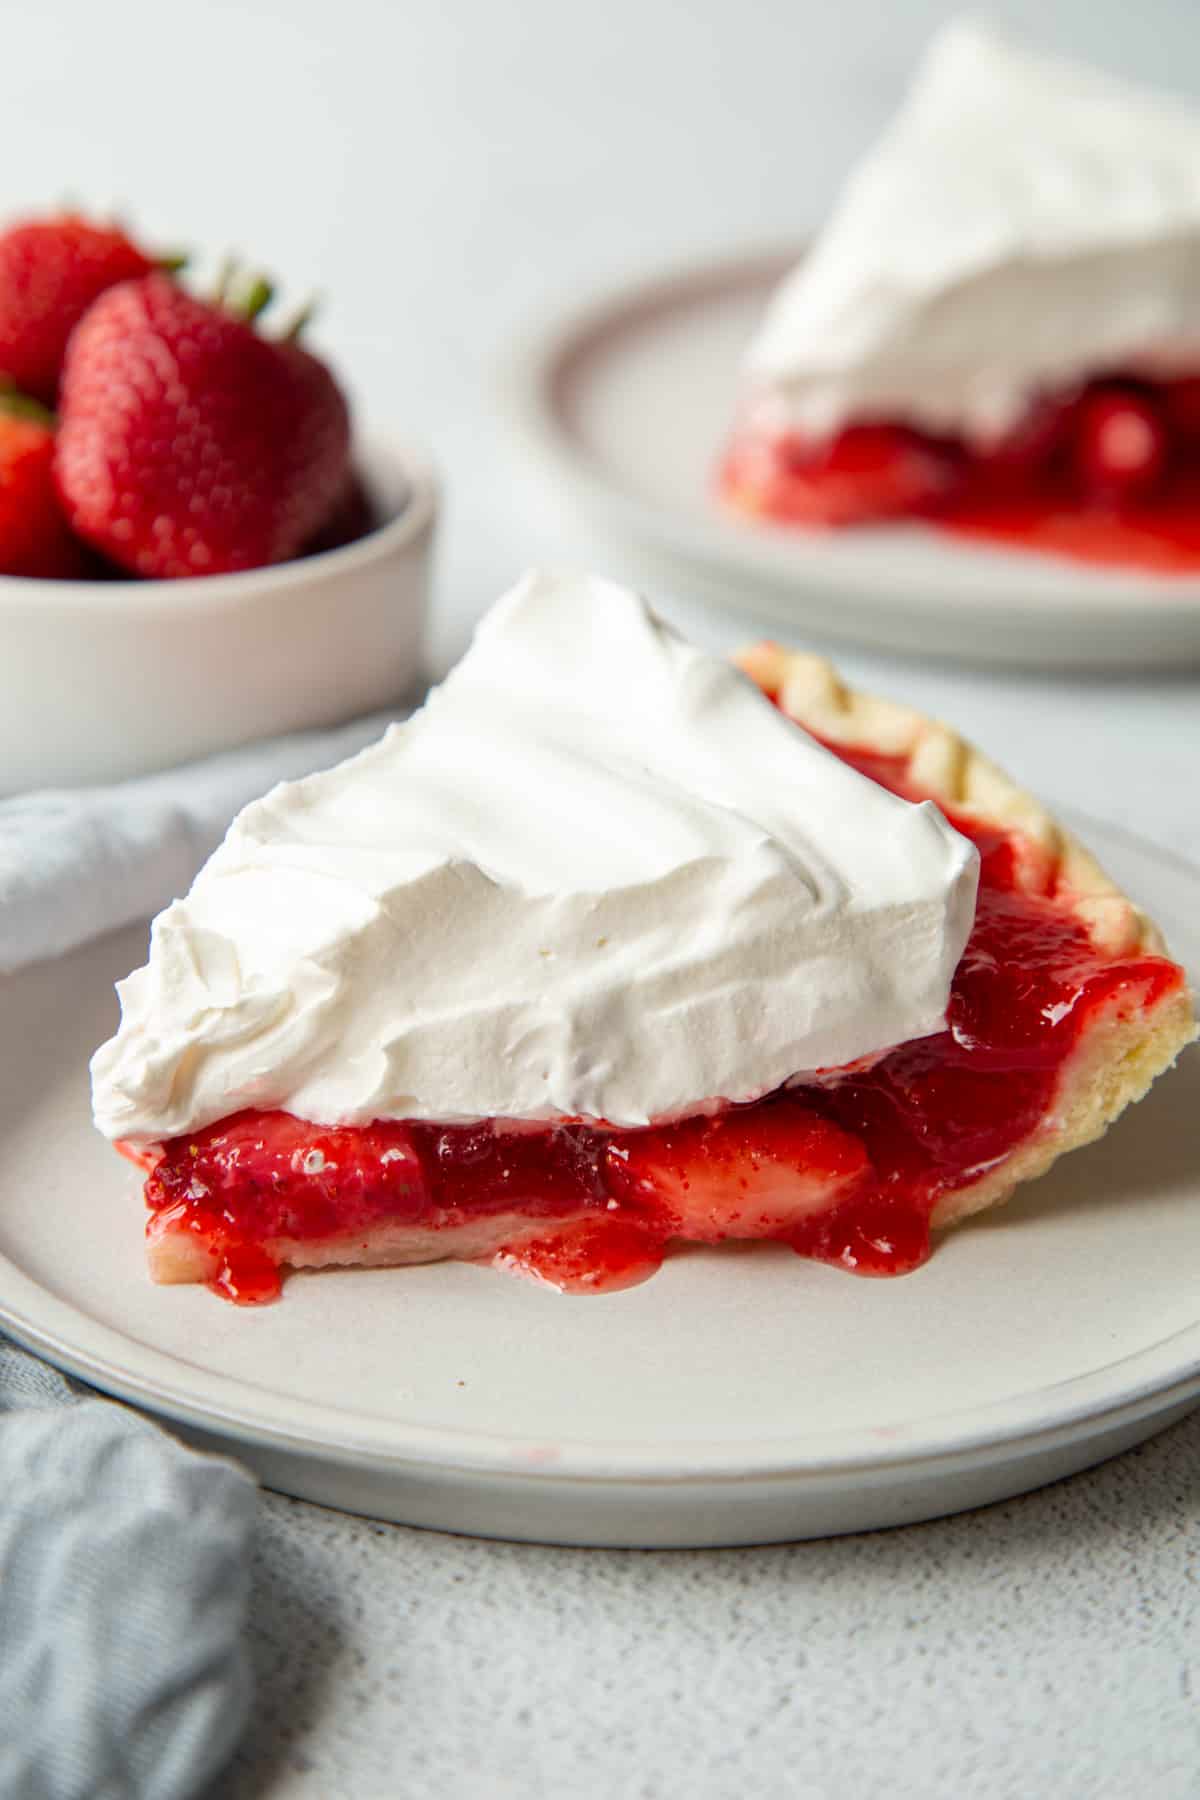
(758, 1171)
(852, 1167)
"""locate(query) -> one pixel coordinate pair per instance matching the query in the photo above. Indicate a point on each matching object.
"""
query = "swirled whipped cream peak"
(596, 875)
(1022, 223)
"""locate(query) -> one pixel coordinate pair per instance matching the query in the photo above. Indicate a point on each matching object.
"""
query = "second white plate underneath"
(741, 1396)
(626, 404)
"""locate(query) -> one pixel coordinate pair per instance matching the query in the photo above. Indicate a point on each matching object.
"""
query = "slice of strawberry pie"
(997, 331)
(610, 947)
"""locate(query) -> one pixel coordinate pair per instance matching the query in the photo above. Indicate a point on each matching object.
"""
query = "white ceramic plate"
(742, 1396)
(626, 406)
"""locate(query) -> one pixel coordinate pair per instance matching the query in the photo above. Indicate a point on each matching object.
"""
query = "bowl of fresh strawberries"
(196, 548)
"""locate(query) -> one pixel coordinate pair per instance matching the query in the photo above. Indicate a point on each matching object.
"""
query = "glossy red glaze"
(592, 1256)
(243, 1271)
(247, 1276)
(1162, 538)
(1108, 474)
(846, 1169)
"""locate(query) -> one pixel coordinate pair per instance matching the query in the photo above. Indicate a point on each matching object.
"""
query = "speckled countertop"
(445, 171)
(1049, 1646)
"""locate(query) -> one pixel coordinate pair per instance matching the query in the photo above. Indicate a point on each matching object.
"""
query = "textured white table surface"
(445, 171)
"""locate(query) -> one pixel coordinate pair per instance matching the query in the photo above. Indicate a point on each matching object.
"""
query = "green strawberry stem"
(244, 296)
(303, 319)
(16, 405)
(247, 296)
(172, 262)
(256, 297)
(225, 278)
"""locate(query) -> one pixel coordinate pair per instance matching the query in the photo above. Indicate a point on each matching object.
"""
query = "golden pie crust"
(1122, 1051)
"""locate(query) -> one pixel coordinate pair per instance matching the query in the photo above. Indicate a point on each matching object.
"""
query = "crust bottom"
(176, 1256)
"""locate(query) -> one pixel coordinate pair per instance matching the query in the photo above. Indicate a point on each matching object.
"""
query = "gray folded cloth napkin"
(124, 1557)
(124, 1570)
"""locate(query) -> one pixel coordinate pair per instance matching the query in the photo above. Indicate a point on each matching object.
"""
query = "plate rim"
(534, 364)
(487, 1454)
(1156, 1377)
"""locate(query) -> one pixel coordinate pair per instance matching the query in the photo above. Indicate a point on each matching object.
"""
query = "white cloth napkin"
(78, 862)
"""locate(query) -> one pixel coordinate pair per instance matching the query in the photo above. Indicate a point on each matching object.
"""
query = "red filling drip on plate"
(878, 1146)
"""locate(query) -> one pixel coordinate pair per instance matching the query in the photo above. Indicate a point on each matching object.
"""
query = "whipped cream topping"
(597, 875)
(1023, 223)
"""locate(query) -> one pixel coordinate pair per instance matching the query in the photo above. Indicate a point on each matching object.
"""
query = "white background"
(443, 172)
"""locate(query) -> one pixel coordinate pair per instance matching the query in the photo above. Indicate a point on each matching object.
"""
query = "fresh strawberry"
(34, 536)
(188, 443)
(352, 517)
(50, 272)
(741, 1173)
(1121, 443)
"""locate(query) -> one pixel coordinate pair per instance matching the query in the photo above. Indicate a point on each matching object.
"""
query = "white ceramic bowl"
(101, 680)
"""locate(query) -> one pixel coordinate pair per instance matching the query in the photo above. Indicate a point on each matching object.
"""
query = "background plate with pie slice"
(627, 404)
(743, 1396)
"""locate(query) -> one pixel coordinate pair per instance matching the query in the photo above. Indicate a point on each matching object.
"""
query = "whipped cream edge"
(1024, 222)
(598, 876)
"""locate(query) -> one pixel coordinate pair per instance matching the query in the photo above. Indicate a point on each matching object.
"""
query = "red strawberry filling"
(1108, 473)
(847, 1168)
